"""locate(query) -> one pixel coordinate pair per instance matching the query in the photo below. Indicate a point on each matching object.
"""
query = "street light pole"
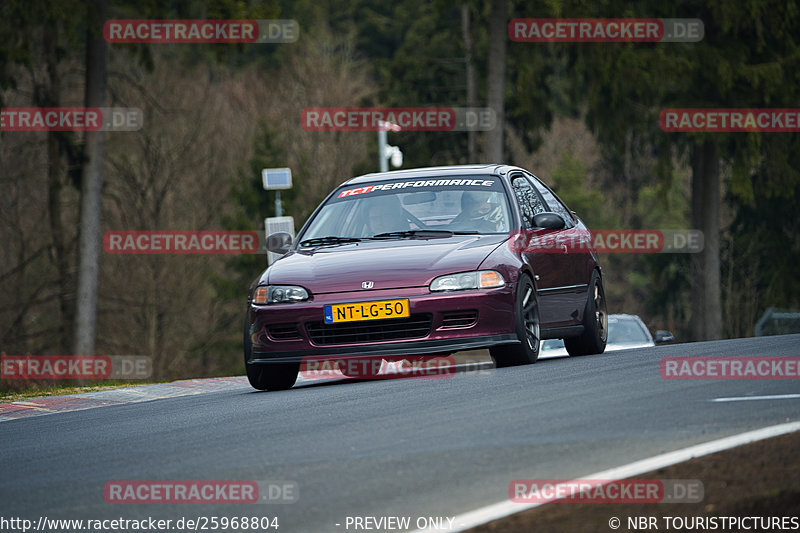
(383, 164)
(384, 150)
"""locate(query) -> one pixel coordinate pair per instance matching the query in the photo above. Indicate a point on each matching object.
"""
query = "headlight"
(276, 294)
(477, 279)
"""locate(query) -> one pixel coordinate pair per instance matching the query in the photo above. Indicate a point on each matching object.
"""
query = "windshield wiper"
(330, 239)
(415, 233)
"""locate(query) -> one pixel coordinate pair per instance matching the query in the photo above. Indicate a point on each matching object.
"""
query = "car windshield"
(401, 208)
(625, 331)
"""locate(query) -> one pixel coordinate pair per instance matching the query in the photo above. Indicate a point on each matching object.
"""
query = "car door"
(578, 264)
(556, 303)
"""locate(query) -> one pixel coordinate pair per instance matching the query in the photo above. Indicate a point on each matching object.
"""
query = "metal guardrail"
(777, 322)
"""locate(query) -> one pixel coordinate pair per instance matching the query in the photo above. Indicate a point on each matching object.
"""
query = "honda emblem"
(367, 284)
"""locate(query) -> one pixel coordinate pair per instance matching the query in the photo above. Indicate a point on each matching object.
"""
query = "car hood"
(388, 264)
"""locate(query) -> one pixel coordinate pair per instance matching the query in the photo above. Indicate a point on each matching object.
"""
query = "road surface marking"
(506, 508)
(746, 398)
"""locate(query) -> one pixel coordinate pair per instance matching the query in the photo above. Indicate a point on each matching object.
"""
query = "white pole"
(383, 164)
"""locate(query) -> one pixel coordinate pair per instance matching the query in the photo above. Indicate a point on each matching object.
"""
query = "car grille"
(461, 319)
(282, 332)
(415, 326)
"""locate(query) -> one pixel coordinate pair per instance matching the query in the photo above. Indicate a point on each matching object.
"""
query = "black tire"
(270, 376)
(595, 322)
(526, 317)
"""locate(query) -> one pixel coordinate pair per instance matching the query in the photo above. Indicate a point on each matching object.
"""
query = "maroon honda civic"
(421, 263)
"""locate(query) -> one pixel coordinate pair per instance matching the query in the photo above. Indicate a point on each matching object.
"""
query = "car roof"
(622, 316)
(428, 172)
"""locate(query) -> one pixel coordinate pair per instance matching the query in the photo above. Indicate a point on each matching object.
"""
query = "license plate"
(367, 311)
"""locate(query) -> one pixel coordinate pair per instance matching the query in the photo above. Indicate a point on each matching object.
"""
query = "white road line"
(747, 398)
(506, 508)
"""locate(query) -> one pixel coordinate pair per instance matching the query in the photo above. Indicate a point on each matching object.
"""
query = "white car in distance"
(625, 332)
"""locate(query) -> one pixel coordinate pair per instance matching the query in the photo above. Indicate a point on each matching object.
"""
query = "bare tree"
(706, 297)
(322, 71)
(91, 186)
(496, 82)
(174, 174)
(472, 97)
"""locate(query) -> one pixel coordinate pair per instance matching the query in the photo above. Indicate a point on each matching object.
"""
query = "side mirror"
(664, 336)
(279, 243)
(548, 221)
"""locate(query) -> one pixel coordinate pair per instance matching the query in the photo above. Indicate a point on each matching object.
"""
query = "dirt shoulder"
(761, 479)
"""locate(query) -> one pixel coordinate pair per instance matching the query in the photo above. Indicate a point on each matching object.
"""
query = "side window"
(530, 203)
(553, 203)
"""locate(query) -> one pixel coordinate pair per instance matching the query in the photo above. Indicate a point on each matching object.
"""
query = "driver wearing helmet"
(385, 214)
(476, 213)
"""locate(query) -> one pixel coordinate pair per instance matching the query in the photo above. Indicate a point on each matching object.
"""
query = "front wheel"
(527, 323)
(269, 376)
(272, 376)
(595, 322)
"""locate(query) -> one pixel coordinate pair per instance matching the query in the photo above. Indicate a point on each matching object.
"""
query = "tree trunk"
(498, 35)
(91, 187)
(696, 274)
(472, 96)
(705, 275)
(50, 96)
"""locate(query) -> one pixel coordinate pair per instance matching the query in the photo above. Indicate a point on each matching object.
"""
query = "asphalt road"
(410, 447)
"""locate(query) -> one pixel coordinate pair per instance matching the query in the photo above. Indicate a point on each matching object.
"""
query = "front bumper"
(442, 323)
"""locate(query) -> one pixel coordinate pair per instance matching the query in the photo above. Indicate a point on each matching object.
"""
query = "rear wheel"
(595, 322)
(267, 376)
(526, 317)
